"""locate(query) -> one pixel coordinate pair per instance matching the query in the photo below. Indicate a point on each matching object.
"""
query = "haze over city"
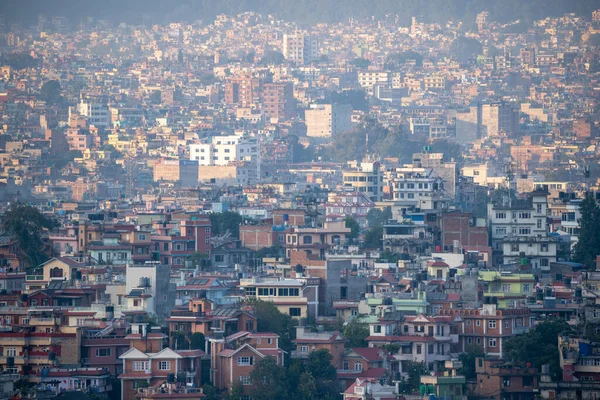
(337, 200)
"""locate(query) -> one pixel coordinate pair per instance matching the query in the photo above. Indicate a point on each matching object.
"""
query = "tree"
(414, 370)
(356, 332)
(26, 224)
(180, 56)
(197, 341)
(539, 346)
(373, 238)
(180, 341)
(272, 58)
(224, 222)
(354, 227)
(236, 391)
(270, 319)
(268, 380)
(199, 260)
(156, 97)
(468, 360)
(273, 251)
(360, 62)
(50, 92)
(324, 374)
(588, 246)
(210, 392)
(377, 217)
(307, 387)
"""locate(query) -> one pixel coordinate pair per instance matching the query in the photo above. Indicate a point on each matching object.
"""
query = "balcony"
(190, 373)
(300, 354)
(519, 330)
(34, 277)
(44, 321)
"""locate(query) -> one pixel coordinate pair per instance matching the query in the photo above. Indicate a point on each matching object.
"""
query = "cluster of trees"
(27, 225)
(18, 60)
(588, 245)
(227, 221)
(376, 218)
(303, 12)
(382, 142)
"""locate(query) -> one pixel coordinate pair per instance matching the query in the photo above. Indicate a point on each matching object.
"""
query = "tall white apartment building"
(224, 150)
(328, 120)
(368, 79)
(300, 48)
(97, 113)
(519, 232)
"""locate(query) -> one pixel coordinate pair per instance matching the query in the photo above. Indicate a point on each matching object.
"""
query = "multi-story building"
(364, 177)
(316, 241)
(519, 231)
(508, 289)
(504, 380)
(307, 342)
(185, 172)
(226, 150)
(488, 327)
(149, 289)
(286, 294)
(328, 120)
(300, 48)
(97, 113)
(277, 100)
(243, 90)
(234, 357)
(368, 79)
(418, 186)
(496, 118)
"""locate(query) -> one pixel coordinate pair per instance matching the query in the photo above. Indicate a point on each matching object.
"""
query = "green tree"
(272, 58)
(356, 331)
(539, 346)
(373, 238)
(354, 227)
(27, 225)
(180, 341)
(414, 370)
(377, 217)
(270, 319)
(210, 392)
(360, 62)
(588, 246)
(227, 221)
(268, 380)
(307, 387)
(50, 92)
(319, 366)
(468, 360)
(180, 56)
(197, 341)
(236, 391)
(156, 97)
(199, 260)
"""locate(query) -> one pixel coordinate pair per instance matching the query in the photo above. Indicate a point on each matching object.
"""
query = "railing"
(299, 354)
(34, 277)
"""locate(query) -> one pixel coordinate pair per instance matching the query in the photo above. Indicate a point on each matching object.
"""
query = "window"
(544, 247)
(492, 324)
(140, 365)
(245, 380)
(478, 322)
(346, 366)
(245, 361)
(524, 215)
(492, 342)
(295, 312)
(102, 352)
(506, 287)
(11, 352)
(526, 287)
(501, 230)
(358, 366)
(507, 324)
(514, 247)
(544, 262)
(539, 224)
(207, 230)
(164, 365)
(478, 340)
(500, 215)
(307, 239)
(469, 340)
(506, 382)
(419, 349)
(377, 329)
(142, 236)
(524, 231)
(304, 349)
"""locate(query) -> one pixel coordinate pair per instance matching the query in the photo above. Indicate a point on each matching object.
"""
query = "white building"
(225, 150)
(418, 186)
(328, 120)
(368, 79)
(300, 48)
(148, 288)
(519, 232)
(98, 114)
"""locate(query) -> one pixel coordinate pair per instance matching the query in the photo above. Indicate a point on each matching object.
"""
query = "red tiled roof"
(406, 338)
(369, 353)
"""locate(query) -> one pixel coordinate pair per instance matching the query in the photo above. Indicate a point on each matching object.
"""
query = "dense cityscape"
(251, 207)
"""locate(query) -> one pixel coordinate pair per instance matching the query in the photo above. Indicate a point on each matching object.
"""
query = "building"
(499, 380)
(328, 120)
(227, 150)
(497, 118)
(286, 294)
(300, 48)
(307, 341)
(364, 177)
(149, 289)
(277, 100)
(184, 172)
(488, 327)
(97, 113)
(519, 232)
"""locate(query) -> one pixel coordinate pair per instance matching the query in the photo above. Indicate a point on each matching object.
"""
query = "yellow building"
(510, 289)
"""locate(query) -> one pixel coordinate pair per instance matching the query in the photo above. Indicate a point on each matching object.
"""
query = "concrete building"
(496, 118)
(227, 150)
(183, 171)
(97, 113)
(300, 48)
(328, 120)
(365, 177)
(149, 289)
